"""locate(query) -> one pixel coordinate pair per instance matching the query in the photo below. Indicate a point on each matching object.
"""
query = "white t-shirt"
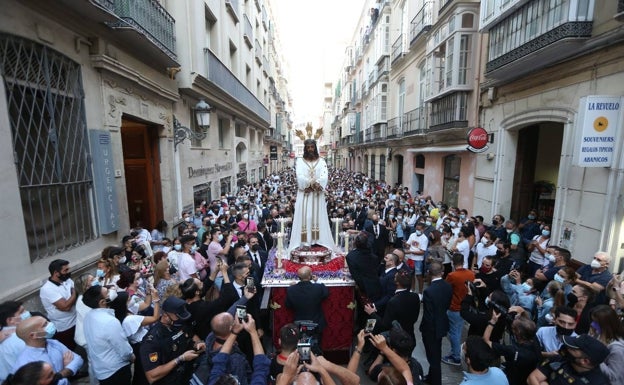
(416, 243)
(463, 247)
(132, 328)
(81, 312)
(186, 266)
(49, 293)
(483, 252)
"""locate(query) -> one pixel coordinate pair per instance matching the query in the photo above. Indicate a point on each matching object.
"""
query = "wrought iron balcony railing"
(422, 22)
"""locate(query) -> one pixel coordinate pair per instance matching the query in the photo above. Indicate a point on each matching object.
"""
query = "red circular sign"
(477, 138)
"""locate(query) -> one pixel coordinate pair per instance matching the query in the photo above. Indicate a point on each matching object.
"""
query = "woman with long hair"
(607, 327)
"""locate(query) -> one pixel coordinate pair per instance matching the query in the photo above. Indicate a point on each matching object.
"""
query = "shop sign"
(478, 139)
(600, 123)
(206, 171)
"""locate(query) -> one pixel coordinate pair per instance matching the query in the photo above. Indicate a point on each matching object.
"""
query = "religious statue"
(310, 223)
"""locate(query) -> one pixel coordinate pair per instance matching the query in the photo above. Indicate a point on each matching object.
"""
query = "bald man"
(37, 333)
(306, 298)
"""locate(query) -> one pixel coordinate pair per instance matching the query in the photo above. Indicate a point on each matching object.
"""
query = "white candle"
(346, 241)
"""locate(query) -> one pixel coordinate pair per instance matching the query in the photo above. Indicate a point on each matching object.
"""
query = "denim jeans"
(456, 324)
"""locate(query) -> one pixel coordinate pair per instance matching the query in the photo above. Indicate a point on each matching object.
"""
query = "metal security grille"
(50, 145)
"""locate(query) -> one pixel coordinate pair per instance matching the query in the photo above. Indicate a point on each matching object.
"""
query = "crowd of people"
(163, 306)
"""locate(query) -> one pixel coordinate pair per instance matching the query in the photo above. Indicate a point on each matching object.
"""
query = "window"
(226, 185)
(202, 192)
(45, 102)
(419, 161)
(372, 166)
(464, 59)
(449, 61)
(467, 20)
(221, 133)
(382, 168)
(401, 102)
(450, 193)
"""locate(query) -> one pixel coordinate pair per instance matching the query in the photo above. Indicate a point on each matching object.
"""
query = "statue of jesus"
(310, 223)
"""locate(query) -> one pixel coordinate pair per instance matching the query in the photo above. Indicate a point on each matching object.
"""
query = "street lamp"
(202, 119)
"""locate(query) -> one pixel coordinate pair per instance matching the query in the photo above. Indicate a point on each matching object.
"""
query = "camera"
(304, 352)
(472, 287)
(241, 312)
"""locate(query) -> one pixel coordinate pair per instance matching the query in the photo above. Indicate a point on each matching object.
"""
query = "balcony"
(232, 8)
(415, 121)
(422, 22)
(383, 68)
(371, 79)
(223, 78)
(247, 31)
(522, 43)
(449, 112)
(397, 49)
(265, 18)
(145, 19)
(265, 65)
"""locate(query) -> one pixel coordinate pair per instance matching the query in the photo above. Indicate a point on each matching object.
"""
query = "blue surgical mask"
(453, 223)
(531, 217)
(220, 237)
(462, 216)
(25, 315)
(526, 287)
(193, 248)
(545, 233)
(428, 223)
(418, 232)
(559, 278)
(50, 330)
(95, 282)
(99, 273)
(550, 257)
(177, 247)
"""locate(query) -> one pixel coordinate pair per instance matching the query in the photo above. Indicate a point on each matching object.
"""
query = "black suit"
(435, 324)
(306, 298)
(388, 287)
(258, 268)
(404, 307)
(379, 237)
(360, 218)
(363, 267)
(261, 241)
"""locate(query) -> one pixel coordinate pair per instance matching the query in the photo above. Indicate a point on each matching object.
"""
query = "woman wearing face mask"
(607, 328)
(247, 225)
(537, 248)
(104, 273)
(551, 297)
(520, 293)
(581, 299)
(140, 297)
(174, 255)
(187, 267)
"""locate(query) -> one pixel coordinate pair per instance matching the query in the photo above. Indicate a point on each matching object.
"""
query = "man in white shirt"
(418, 243)
(58, 297)
(109, 351)
(485, 247)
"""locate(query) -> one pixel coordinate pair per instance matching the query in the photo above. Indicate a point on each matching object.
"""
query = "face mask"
(485, 270)
(399, 218)
(559, 278)
(495, 223)
(222, 222)
(188, 219)
(572, 299)
(50, 330)
(428, 223)
(193, 248)
(122, 260)
(177, 247)
(25, 315)
(411, 211)
(595, 264)
(453, 223)
(391, 216)
(509, 231)
(220, 238)
(212, 221)
(99, 273)
(112, 294)
(484, 241)
(255, 248)
(545, 233)
(95, 282)
(65, 277)
(526, 287)
(462, 216)
(550, 257)
(531, 217)
(563, 331)
(245, 216)
(418, 232)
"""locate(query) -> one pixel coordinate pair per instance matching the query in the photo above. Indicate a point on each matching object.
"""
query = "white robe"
(311, 213)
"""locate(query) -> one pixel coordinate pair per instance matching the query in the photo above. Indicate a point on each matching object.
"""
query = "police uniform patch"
(153, 357)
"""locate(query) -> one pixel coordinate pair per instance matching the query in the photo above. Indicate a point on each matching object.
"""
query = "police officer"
(169, 349)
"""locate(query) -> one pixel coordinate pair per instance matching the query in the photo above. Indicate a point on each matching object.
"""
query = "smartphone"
(250, 283)
(370, 325)
(241, 312)
(304, 352)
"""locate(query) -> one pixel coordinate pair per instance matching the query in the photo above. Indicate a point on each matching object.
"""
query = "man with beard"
(310, 223)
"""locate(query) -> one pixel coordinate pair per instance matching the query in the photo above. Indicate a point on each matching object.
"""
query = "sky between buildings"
(314, 35)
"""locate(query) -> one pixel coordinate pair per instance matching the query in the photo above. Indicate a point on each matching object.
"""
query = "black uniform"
(161, 345)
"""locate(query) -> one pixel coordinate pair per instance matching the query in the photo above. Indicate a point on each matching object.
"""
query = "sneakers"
(449, 360)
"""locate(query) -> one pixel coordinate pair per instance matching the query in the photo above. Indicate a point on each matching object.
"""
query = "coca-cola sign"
(478, 139)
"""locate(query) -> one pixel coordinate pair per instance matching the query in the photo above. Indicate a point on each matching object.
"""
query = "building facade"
(100, 98)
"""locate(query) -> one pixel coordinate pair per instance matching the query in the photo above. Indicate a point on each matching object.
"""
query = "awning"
(456, 148)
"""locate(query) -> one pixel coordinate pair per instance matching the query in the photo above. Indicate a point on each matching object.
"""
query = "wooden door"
(142, 173)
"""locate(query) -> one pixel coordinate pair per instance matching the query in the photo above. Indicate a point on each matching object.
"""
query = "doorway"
(398, 160)
(142, 170)
(537, 170)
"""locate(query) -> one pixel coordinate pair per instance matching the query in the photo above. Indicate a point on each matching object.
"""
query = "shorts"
(417, 266)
